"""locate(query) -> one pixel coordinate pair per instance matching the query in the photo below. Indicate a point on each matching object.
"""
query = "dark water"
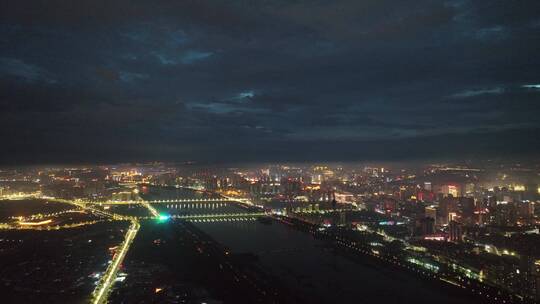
(311, 267)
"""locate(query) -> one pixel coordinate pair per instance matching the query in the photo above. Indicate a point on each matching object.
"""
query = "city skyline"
(271, 233)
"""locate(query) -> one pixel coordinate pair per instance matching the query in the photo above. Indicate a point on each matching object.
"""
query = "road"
(107, 281)
(152, 210)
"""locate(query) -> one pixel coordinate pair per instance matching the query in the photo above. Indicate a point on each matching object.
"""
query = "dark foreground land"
(57, 266)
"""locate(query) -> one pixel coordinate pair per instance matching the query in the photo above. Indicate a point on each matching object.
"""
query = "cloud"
(13, 67)
(197, 78)
(491, 33)
(193, 56)
(478, 92)
(187, 57)
(130, 77)
(240, 102)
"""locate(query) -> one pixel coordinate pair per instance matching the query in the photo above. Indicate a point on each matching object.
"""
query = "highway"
(107, 281)
(152, 210)
(86, 206)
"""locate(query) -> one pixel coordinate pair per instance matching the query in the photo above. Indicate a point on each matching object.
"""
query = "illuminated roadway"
(152, 210)
(194, 200)
(86, 206)
(102, 290)
(214, 216)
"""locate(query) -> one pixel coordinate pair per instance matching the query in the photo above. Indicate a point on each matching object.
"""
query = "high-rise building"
(468, 189)
(455, 231)
(342, 218)
(447, 206)
(211, 183)
(431, 212)
(466, 208)
(427, 226)
(525, 210)
(452, 190)
(505, 214)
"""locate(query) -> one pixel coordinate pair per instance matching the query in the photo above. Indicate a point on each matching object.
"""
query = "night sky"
(227, 81)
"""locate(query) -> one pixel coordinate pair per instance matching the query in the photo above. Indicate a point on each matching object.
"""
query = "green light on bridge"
(163, 218)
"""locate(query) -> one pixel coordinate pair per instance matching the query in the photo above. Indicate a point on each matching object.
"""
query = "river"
(310, 267)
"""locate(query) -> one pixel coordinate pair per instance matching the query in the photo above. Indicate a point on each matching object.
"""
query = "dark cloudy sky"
(106, 80)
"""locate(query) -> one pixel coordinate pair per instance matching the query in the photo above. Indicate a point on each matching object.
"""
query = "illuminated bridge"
(219, 216)
(205, 205)
(169, 201)
(190, 200)
(217, 220)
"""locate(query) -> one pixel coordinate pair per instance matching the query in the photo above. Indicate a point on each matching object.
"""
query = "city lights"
(420, 230)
